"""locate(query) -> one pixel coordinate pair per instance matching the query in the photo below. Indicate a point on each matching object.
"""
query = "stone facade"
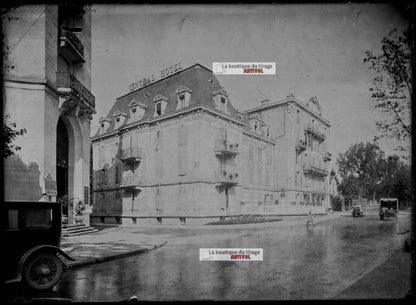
(47, 80)
(177, 148)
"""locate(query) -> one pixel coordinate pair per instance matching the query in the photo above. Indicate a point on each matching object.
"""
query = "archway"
(62, 151)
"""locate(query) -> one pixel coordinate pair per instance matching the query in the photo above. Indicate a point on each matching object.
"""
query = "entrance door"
(62, 160)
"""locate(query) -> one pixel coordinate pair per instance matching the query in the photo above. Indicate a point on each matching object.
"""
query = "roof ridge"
(164, 78)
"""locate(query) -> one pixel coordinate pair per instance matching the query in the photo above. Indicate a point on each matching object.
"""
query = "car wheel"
(43, 271)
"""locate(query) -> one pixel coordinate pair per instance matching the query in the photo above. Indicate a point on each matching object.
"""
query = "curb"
(111, 257)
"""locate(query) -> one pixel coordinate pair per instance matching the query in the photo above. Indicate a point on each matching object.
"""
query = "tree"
(367, 173)
(392, 87)
(10, 133)
(359, 168)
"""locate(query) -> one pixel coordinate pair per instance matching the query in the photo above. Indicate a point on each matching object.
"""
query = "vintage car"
(31, 235)
(358, 210)
(389, 208)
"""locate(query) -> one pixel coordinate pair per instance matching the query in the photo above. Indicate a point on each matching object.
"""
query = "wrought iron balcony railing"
(226, 178)
(301, 145)
(327, 157)
(316, 168)
(131, 154)
(315, 130)
(68, 83)
(72, 47)
(224, 148)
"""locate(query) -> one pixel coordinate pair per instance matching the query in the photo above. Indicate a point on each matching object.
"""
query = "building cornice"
(169, 116)
(288, 100)
(259, 137)
(31, 81)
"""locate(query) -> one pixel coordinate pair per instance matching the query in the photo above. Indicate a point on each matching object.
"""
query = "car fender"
(39, 249)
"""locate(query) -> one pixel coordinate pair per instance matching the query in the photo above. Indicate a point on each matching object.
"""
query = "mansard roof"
(199, 80)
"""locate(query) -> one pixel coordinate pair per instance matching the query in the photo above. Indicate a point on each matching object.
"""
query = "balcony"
(318, 132)
(300, 145)
(131, 154)
(73, 92)
(327, 157)
(71, 47)
(130, 181)
(222, 148)
(222, 177)
(317, 169)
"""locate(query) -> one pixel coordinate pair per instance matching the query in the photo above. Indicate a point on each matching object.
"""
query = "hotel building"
(176, 149)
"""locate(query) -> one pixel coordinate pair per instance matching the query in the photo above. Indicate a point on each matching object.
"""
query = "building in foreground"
(46, 91)
(177, 148)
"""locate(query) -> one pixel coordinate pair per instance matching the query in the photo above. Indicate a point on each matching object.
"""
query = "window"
(221, 100)
(103, 176)
(250, 174)
(181, 135)
(157, 144)
(184, 95)
(259, 155)
(13, 219)
(117, 175)
(160, 104)
(267, 182)
(159, 108)
(223, 104)
(256, 125)
(182, 163)
(251, 152)
(36, 218)
(118, 194)
(182, 100)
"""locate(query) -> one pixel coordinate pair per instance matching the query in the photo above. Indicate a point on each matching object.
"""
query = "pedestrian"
(309, 220)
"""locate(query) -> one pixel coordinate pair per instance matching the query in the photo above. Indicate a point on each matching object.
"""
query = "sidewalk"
(108, 244)
(121, 241)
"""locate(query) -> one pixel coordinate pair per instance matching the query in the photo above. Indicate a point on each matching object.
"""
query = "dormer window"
(104, 124)
(184, 95)
(266, 131)
(136, 110)
(256, 125)
(160, 104)
(221, 100)
(120, 118)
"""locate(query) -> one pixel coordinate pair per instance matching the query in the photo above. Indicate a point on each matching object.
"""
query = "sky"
(318, 51)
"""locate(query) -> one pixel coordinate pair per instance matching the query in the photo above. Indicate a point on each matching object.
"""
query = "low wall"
(197, 220)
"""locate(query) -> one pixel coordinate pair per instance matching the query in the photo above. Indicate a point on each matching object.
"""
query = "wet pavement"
(319, 262)
(108, 244)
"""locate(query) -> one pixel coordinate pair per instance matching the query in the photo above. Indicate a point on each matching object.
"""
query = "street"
(299, 262)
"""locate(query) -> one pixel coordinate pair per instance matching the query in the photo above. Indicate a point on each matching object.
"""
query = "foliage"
(337, 202)
(392, 87)
(359, 169)
(367, 173)
(10, 133)
(79, 206)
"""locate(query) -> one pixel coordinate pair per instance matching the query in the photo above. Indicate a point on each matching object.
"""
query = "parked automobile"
(31, 235)
(389, 208)
(358, 210)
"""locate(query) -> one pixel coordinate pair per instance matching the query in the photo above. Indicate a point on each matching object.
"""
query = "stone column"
(86, 214)
(71, 210)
